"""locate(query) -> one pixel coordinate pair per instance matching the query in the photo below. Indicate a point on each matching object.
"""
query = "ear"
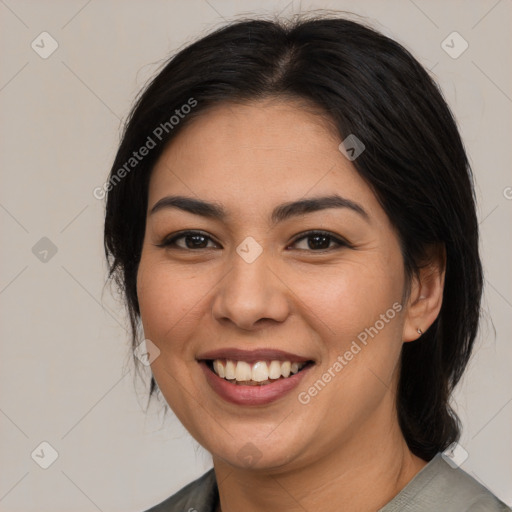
(425, 294)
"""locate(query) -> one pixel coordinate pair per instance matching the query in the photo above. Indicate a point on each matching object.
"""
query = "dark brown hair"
(415, 162)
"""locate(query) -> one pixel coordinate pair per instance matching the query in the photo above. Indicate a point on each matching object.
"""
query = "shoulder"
(439, 486)
(201, 495)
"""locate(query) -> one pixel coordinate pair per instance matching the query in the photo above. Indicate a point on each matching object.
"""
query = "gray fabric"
(201, 495)
(436, 488)
(439, 487)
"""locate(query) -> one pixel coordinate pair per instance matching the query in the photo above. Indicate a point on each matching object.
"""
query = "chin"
(257, 452)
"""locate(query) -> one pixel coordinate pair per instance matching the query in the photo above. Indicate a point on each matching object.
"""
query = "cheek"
(169, 303)
(350, 297)
(359, 306)
(360, 348)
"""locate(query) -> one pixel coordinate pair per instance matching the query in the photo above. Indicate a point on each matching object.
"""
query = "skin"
(344, 448)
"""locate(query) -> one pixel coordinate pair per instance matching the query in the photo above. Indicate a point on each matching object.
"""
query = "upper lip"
(252, 356)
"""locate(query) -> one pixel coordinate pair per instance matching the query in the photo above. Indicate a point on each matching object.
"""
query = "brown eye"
(318, 241)
(195, 241)
(189, 240)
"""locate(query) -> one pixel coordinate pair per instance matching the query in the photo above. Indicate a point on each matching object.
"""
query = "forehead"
(253, 156)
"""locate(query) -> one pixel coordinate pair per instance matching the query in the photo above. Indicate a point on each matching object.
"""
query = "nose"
(251, 296)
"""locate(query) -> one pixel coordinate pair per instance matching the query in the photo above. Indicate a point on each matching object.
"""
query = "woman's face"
(252, 286)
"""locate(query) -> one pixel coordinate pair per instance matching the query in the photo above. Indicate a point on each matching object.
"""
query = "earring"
(420, 332)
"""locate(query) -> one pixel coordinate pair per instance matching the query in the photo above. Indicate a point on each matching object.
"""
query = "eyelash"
(171, 241)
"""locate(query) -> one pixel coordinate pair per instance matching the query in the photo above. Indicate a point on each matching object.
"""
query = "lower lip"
(252, 395)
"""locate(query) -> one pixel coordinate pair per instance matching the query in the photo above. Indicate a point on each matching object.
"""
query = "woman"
(291, 217)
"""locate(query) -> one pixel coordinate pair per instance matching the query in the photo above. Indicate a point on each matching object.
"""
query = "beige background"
(65, 371)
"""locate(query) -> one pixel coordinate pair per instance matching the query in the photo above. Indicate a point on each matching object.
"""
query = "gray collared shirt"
(436, 488)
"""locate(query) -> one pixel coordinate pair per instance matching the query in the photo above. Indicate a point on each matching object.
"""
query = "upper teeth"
(259, 371)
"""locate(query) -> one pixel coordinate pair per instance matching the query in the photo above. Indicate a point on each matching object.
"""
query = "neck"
(359, 475)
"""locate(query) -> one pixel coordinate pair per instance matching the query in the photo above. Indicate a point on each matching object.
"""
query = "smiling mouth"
(258, 373)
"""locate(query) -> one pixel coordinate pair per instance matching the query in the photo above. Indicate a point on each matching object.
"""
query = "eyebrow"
(281, 213)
